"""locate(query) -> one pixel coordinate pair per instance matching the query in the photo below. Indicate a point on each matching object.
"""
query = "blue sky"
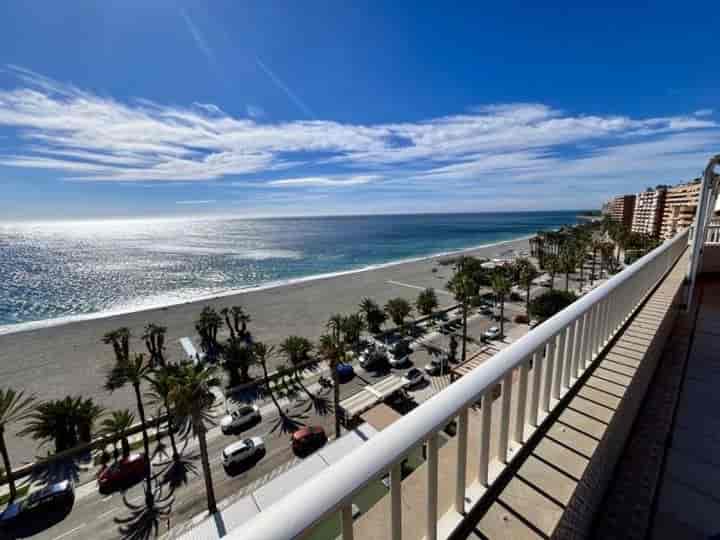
(269, 108)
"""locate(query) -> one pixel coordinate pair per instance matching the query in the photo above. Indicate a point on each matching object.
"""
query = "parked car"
(241, 451)
(486, 310)
(239, 418)
(308, 439)
(492, 333)
(413, 377)
(345, 372)
(397, 361)
(123, 473)
(373, 359)
(55, 497)
(438, 366)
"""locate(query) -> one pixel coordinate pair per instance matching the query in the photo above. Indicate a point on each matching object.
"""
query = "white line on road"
(111, 511)
(63, 535)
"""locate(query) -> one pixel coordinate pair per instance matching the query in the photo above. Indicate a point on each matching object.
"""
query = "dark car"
(308, 439)
(345, 372)
(124, 473)
(56, 497)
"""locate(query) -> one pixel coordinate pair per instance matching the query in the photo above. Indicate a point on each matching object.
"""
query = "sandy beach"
(71, 359)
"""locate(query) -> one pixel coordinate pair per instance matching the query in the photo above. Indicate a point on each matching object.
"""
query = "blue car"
(345, 372)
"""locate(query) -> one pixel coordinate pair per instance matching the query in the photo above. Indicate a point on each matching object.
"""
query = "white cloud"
(325, 181)
(59, 127)
(704, 112)
(198, 201)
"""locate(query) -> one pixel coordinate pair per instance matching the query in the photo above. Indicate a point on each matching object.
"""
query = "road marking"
(63, 535)
(106, 498)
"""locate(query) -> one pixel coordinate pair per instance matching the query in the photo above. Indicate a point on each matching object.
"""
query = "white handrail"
(588, 324)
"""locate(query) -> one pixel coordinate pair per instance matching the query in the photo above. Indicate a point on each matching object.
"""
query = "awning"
(370, 396)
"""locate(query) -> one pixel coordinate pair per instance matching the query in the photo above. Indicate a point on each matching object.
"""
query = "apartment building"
(648, 213)
(680, 206)
(622, 209)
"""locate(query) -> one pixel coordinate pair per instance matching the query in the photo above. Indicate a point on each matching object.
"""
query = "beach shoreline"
(10, 329)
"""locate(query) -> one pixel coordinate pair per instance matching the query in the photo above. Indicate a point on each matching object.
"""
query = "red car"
(125, 472)
(308, 439)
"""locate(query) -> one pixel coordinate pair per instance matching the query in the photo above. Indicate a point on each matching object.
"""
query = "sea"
(65, 270)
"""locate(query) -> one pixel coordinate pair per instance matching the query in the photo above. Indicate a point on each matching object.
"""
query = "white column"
(461, 461)
(547, 385)
(486, 407)
(502, 449)
(522, 402)
(537, 381)
(559, 363)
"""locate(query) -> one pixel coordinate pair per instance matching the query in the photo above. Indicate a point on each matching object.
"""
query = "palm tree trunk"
(149, 501)
(209, 491)
(176, 454)
(567, 281)
(6, 464)
(592, 268)
(465, 310)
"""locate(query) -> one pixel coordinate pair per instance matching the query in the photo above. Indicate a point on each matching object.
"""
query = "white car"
(241, 451)
(492, 333)
(238, 418)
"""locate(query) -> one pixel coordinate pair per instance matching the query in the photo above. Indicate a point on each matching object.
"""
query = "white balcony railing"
(548, 361)
(713, 234)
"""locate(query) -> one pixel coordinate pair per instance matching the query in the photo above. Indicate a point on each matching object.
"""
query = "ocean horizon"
(73, 269)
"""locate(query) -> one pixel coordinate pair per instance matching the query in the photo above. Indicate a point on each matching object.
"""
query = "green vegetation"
(549, 303)
(427, 301)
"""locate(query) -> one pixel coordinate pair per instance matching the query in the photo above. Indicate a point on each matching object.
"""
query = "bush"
(522, 319)
(548, 304)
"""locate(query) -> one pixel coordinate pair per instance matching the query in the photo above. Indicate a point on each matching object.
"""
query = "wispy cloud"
(704, 112)
(60, 127)
(254, 111)
(198, 37)
(199, 201)
(324, 181)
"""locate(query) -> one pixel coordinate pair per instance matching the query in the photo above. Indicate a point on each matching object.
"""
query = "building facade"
(681, 203)
(622, 209)
(648, 213)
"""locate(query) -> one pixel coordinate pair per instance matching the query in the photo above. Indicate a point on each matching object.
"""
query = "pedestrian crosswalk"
(267, 477)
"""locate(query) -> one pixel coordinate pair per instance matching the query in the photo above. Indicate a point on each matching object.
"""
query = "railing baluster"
(396, 501)
(547, 384)
(559, 363)
(537, 380)
(486, 406)
(432, 487)
(461, 461)
(569, 354)
(502, 448)
(347, 522)
(522, 402)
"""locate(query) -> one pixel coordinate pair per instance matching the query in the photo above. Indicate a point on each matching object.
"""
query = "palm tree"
(374, 316)
(116, 427)
(336, 324)
(154, 337)
(553, 265)
(297, 349)
(239, 322)
(526, 274)
(162, 383)
(86, 414)
(134, 372)
(207, 326)
(595, 245)
(427, 301)
(568, 262)
(120, 341)
(352, 327)
(332, 349)
(398, 309)
(237, 360)
(464, 288)
(15, 406)
(66, 421)
(501, 287)
(192, 400)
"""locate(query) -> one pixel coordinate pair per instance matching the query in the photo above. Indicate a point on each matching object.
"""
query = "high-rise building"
(622, 208)
(681, 203)
(648, 213)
